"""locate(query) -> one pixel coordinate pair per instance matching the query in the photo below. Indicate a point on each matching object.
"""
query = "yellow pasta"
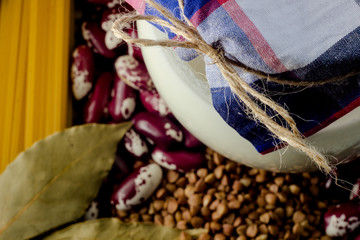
(17, 136)
(10, 70)
(34, 50)
(3, 73)
(31, 76)
(50, 65)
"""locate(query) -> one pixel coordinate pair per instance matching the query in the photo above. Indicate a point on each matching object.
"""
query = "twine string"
(288, 133)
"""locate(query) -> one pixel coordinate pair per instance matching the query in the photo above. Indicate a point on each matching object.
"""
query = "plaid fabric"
(302, 40)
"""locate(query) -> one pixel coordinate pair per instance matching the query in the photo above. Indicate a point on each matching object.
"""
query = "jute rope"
(286, 131)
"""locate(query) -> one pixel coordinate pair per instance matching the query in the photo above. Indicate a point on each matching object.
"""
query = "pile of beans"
(164, 175)
(110, 84)
(236, 202)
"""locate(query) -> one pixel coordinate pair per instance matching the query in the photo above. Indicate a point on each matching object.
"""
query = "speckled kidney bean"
(134, 73)
(137, 187)
(133, 49)
(135, 145)
(110, 15)
(161, 130)
(82, 71)
(92, 212)
(122, 166)
(179, 160)
(96, 106)
(190, 141)
(342, 219)
(111, 41)
(153, 102)
(95, 38)
(123, 102)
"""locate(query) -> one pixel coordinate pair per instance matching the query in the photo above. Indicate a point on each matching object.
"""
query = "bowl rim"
(221, 137)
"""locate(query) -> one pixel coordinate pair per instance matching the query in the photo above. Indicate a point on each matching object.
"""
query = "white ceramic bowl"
(184, 87)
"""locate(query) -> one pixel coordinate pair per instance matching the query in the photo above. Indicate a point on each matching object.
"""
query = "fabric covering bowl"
(184, 87)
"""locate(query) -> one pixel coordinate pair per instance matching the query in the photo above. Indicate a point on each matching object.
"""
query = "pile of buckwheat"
(237, 203)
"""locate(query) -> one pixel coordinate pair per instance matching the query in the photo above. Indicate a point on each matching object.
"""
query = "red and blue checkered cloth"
(303, 40)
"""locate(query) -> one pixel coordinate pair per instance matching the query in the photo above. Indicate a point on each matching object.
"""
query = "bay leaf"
(113, 228)
(54, 181)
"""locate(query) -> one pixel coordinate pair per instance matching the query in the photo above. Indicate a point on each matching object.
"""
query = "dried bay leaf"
(54, 181)
(113, 228)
